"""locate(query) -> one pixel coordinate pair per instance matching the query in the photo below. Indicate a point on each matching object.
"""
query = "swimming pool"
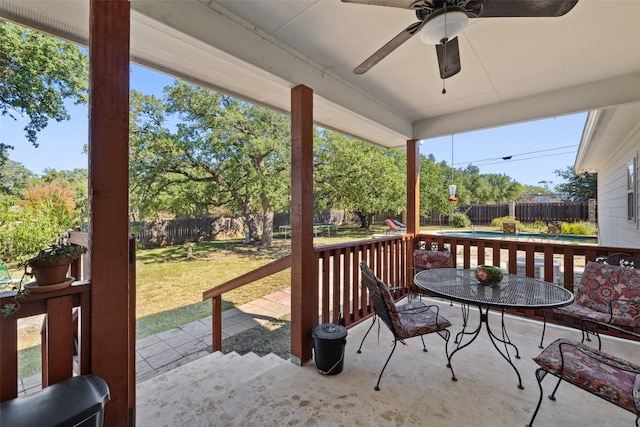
(523, 236)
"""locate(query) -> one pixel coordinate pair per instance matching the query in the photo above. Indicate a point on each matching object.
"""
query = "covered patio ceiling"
(513, 69)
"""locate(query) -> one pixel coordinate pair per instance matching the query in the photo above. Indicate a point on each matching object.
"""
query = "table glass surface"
(513, 291)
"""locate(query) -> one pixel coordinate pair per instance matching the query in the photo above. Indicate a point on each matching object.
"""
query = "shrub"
(581, 227)
(460, 220)
(498, 222)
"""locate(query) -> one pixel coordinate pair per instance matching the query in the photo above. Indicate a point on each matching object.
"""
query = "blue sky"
(536, 148)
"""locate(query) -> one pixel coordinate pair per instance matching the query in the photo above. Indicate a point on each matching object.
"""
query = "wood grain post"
(304, 299)
(111, 305)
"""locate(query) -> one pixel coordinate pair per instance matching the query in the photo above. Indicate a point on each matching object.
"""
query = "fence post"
(592, 210)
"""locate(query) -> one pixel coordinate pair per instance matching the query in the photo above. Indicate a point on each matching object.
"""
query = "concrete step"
(217, 376)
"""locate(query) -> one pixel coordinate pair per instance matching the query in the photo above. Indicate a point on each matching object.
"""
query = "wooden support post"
(111, 302)
(304, 293)
(413, 186)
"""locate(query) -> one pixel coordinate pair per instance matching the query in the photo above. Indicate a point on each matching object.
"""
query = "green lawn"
(169, 286)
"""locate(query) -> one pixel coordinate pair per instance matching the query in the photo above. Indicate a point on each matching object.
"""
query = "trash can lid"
(329, 331)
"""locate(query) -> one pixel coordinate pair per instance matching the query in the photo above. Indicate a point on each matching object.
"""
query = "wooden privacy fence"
(180, 231)
(529, 212)
(568, 212)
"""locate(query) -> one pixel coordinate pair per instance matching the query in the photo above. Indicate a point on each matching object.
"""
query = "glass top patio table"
(514, 291)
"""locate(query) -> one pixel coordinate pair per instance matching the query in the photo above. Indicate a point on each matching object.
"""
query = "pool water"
(523, 236)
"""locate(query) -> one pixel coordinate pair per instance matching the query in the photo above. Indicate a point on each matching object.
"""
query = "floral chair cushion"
(599, 285)
(607, 376)
(636, 392)
(578, 311)
(608, 294)
(406, 320)
(416, 318)
(426, 260)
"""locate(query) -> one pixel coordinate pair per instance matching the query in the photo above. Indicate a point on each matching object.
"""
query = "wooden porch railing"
(215, 294)
(471, 252)
(341, 300)
(63, 324)
(60, 327)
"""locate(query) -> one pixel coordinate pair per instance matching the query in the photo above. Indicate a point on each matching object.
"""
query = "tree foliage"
(220, 152)
(37, 74)
(435, 179)
(578, 188)
(359, 177)
(14, 177)
(37, 219)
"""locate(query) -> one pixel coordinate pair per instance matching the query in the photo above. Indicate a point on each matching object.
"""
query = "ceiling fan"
(440, 22)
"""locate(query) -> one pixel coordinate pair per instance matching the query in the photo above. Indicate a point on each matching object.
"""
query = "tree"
(77, 181)
(44, 213)
(360, 177)
(14, 177)
(578, 188)
(37, 74)
(222, 152)
(435, 179)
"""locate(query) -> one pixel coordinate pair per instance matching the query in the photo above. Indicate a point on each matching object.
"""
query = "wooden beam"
(109, 32)
(304, 294)
(413, 186)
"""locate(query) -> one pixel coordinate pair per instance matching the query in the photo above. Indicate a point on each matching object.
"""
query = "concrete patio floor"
(416, 388)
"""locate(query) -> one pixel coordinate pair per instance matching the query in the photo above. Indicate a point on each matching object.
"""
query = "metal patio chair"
(405, 320)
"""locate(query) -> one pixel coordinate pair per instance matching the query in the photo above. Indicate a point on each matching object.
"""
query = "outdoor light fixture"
(444, 25)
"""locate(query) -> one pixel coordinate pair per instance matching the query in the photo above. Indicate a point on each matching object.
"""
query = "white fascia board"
(597, 95)
(588, 133)
(245, 44)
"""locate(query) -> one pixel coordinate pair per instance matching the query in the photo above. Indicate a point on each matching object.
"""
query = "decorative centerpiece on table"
(488, 275)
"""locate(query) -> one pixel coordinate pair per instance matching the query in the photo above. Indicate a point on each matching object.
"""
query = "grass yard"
(169, 285)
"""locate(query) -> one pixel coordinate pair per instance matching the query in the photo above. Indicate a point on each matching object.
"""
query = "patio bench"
(608, 295)
(601, 374)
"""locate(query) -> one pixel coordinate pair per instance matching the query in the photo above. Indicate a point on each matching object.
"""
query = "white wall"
(613, 227)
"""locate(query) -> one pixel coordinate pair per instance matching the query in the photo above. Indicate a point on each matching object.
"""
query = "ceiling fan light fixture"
(444, 26)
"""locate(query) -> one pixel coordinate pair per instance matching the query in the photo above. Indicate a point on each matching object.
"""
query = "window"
(631, 191)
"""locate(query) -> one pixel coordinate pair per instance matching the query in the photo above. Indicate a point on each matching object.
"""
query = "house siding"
(614, 229)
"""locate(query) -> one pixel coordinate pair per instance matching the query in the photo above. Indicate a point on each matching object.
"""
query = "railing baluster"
(216, 323)
(8, 358)
(59, 340)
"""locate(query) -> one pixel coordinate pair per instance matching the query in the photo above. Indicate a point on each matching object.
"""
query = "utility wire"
(510, 157)
(517, 160)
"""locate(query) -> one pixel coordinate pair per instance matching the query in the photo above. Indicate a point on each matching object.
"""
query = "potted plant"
(50, 265)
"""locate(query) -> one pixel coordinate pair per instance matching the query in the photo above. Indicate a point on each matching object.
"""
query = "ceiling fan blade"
(527, 8)
(385, 50)
(403, 4)
(448, 58)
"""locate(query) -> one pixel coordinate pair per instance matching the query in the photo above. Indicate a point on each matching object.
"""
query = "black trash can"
(77, 401)
(329, 340)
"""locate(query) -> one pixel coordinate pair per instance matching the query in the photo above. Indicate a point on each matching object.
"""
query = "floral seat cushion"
(426, 260)
(412, 319)
(602, 374)
(607, 293)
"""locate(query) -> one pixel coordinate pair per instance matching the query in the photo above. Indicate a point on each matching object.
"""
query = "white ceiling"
(513, 69)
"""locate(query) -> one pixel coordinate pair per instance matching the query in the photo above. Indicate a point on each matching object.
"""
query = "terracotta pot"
(47, 273)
